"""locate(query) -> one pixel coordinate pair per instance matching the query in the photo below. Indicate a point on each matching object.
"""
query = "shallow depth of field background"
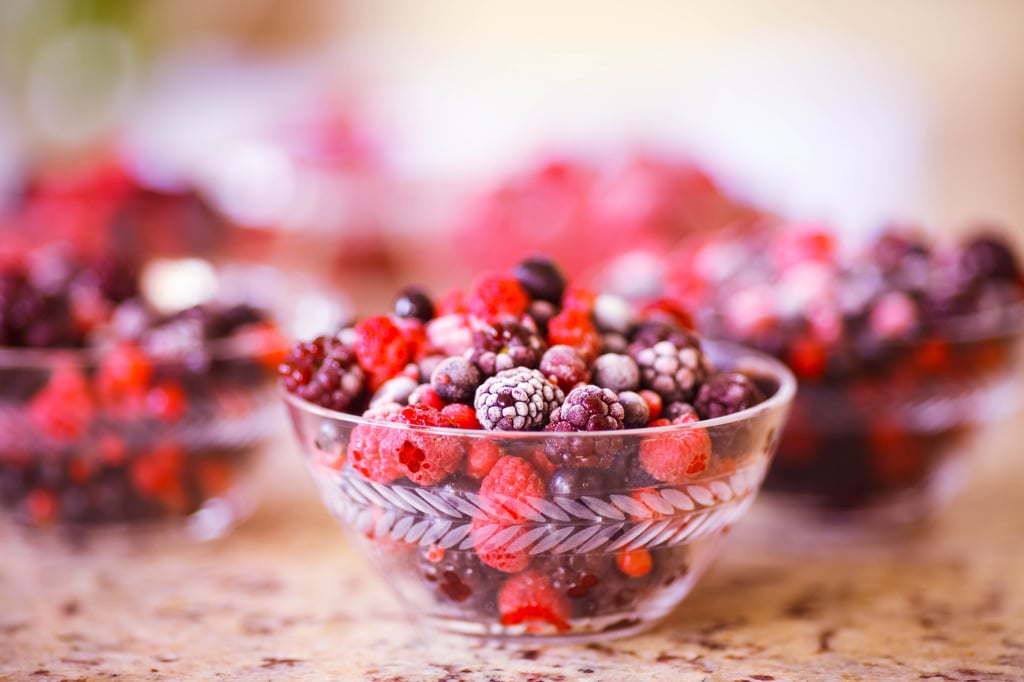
(846, 112)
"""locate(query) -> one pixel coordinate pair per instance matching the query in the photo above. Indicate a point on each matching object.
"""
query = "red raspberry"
(382, 349)
(124, 375)
(579, 299)
(449, 335)
(496, 296)
(498, 556)
(41, 506)
(415, 333)
(481, 457)
(675, 457)
(512, 477)
(464, 416)
(531, 598)
(452, 303)
(384, 454)
(424, 394)
(669, 310)
(574, 328)
(167, 401)
(64, 408)
(157, 474)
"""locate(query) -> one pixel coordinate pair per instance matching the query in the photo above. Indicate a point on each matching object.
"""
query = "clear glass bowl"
(618, 549)
(95, 439)
(886, 441)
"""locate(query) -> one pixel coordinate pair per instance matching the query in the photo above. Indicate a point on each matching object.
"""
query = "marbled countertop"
(285, 598)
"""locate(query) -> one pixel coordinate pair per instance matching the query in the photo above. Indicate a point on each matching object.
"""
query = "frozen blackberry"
(670, 359)
(678, 409)
(455, 380)
(541, 278)
(725, 393)
(636, 411)
(565, 366)
(414, 302)
(518, 399)
(616, 372)
(324, 371)
(507, 344)
(32, 318)
(588, 408)
(989, 257)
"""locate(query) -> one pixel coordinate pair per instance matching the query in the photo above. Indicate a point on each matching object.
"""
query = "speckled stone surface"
(284, 598)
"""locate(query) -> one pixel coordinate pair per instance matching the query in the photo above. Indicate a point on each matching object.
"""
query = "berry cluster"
(520, 353)
(870, 334)
(108, 406)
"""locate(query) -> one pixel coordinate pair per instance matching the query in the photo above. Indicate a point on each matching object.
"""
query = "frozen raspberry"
(670, 359)
(463, 416)
(725, 393)
(617, 372)
(452, 303)
(573, 327)
(564, 366)
(383, 351)
(588, 408)
(498, 555)
(636, 412)
(450, 334)
(64, 408)
(496, 296)
(530, 598)
(518, 399)
(515, 478)
(674, 457)
(324, 371)
(481, 457)
(413, 302)
(541, 279)
(383, 453)
(580, 299)
(507, 344)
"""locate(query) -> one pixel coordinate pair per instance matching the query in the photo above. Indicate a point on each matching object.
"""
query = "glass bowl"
(606, 553)
(114, 438)
(883, 438)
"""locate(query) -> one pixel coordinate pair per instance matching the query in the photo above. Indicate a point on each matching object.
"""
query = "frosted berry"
(496, 296)
(382, 349)
(506, 344)
(636, 412)
(541, 278)
(564, 366)
(518, 399)
(617, 372)
(385, 453)
(323, 371)
(588, 408)
(455, 380)
(670, 359)
(573, 327)
(531, 598)
(725, 393)
(674, 410)
(413, 302)
(987, 257)
(674, 457)
(512, 478)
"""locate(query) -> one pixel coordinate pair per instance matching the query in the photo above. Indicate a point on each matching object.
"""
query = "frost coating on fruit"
(518, 399)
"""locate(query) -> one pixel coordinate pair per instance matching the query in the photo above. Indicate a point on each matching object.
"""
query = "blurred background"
(375, 142)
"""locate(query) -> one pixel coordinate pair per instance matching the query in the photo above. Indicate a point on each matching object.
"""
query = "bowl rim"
(782, 398)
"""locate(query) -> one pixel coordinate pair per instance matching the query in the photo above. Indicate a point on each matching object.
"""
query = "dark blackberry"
(33, 318)
(518, 399)
(455, 380)
(588, 408)
(670, 359)
(506, 344)
(541, 278)
(989, 257)
(565, 366)
(636, 411)
(413, 302)
(725, 393)
(324, 371)
(678, 409)
(616, 372)
(220, 322)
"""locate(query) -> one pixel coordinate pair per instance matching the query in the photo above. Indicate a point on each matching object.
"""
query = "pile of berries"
(870, 335)
(108, 408)
(525, 352)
